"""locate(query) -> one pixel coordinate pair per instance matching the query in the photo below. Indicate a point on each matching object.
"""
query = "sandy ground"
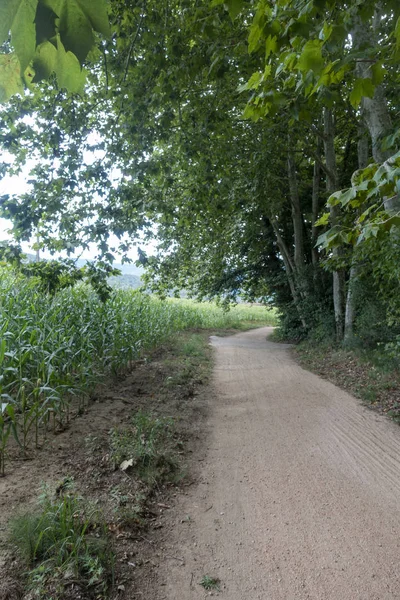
(298, 497)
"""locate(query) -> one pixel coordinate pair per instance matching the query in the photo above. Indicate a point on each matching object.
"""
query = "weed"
(65, 538)
(149, 443)
(194, 346)
(129, 509)
(369, 394)
(210, 583)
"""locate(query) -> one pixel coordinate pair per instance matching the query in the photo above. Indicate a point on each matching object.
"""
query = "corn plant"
(55, 349)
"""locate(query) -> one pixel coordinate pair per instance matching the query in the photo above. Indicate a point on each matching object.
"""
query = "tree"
(227, 139)
(48, 37)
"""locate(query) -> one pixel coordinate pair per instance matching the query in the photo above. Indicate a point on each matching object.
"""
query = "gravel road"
(298, 497)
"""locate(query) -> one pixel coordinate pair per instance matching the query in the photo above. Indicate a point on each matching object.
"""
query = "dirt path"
(298, 497)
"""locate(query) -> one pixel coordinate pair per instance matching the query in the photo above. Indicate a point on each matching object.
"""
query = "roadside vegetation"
(56, 348)
(132, 430)
(64, 541)
(367, 362)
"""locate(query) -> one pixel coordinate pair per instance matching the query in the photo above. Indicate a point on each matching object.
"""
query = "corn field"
(55, 349)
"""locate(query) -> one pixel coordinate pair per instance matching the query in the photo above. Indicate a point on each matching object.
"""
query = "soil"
(378, 385)
(81, 453)
(291, 487)
(298, 495)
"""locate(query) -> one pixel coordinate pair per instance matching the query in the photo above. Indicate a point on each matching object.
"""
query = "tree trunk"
(332, 184)
(315, 205)
(290, 271)
(362, 149)
(297, 216)
(375, 110)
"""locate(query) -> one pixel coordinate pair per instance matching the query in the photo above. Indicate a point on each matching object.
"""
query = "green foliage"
(210, 583)
(170, 153)
(307, 50)
(366, 205)
(53, 275)
(149, 447)
(48, 36)
(10, 254)
(10, 78)
(55, 348)
(64, 539)
(363, 88)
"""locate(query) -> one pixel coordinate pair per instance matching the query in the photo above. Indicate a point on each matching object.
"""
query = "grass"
(64, 540)
(149, 446)
(210, 583)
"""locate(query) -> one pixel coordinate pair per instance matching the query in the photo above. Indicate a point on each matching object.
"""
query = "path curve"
(298, 497)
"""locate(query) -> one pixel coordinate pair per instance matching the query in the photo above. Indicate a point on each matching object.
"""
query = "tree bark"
(332, 184)
(297, 216)
(315, 204)
(362, 149)
(375, 110)
(290, 271)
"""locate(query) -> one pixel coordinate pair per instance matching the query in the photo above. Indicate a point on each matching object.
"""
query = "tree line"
(256, 141)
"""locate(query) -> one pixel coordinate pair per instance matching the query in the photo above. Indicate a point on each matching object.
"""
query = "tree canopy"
(237, 134)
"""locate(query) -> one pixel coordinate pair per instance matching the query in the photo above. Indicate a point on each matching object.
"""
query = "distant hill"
(125, 281)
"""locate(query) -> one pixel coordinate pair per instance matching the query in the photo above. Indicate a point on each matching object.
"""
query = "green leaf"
(3, 347)
(77, 19)
(311, 58)
(95, 12)
(23, 32)
(252, 83)
(65, 65)
(366, 213)
(323, 240)
(254, 37)
(362, 88)
(253, 112)
(334, 199)
(324, 220)
(397, 33)
(10, 77)
(270, 45)
(234, 8)
(347, 196)
(378, 73)
(68, 70)
(44, 63)
(325, 32)
(9, 11)
(75, 30)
